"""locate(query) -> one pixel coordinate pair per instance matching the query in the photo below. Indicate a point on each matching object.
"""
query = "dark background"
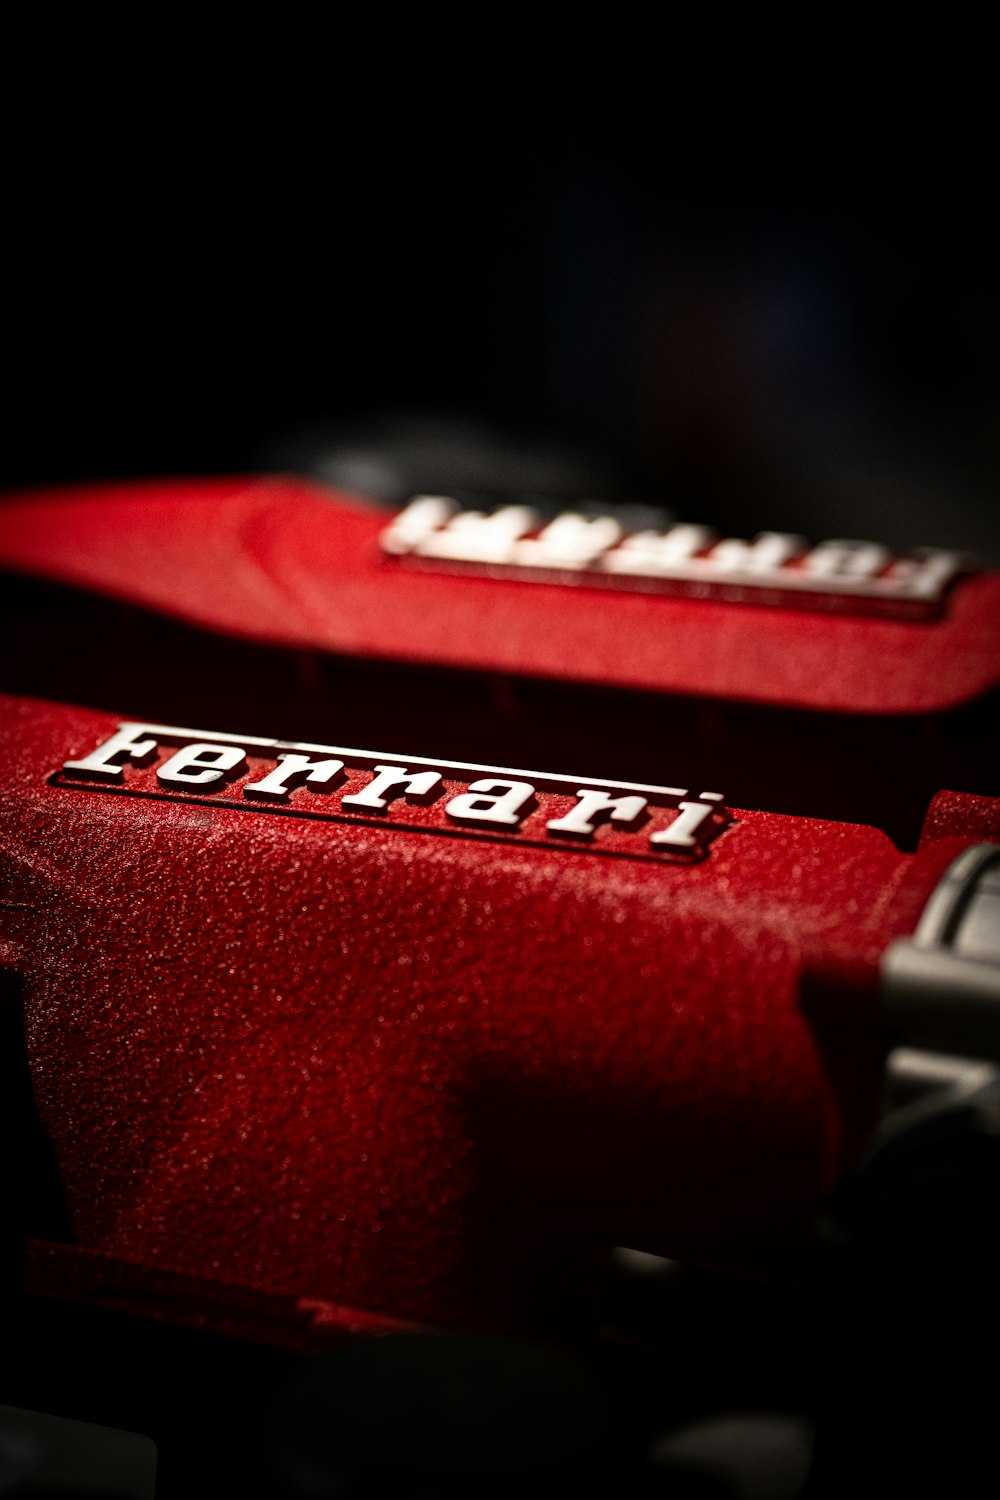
(764, 302)
(769, 302)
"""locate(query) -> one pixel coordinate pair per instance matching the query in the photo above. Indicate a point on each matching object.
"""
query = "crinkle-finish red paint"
(430, 1077)
(280, 560)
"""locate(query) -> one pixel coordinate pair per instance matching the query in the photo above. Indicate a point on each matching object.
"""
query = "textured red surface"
(959, 815)
(280, 560)
(433, 1077)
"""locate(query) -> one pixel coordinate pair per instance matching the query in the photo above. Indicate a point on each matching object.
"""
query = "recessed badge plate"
(409, 793)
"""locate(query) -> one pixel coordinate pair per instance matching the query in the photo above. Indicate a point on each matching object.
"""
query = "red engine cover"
(283, 561)
(427, 1075)
(435, 1077)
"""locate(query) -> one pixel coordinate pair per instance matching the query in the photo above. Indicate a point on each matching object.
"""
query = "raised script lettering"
(289, 772)
(200, 766)
(773, 567)
(660, 823)
(680, 834)
(105, 763)
(492, 802)
(596, 807)
(394, 781)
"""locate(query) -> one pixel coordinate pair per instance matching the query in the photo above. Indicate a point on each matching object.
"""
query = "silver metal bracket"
(941, 989)
(942, 986)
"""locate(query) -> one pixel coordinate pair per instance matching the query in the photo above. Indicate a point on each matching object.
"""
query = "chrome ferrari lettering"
(684, 830)
(395, 781)
(593, 808)
(200, 766)
(407, 793)
(491, 801)
(107, 761)
(293, 770)
(773, 568)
